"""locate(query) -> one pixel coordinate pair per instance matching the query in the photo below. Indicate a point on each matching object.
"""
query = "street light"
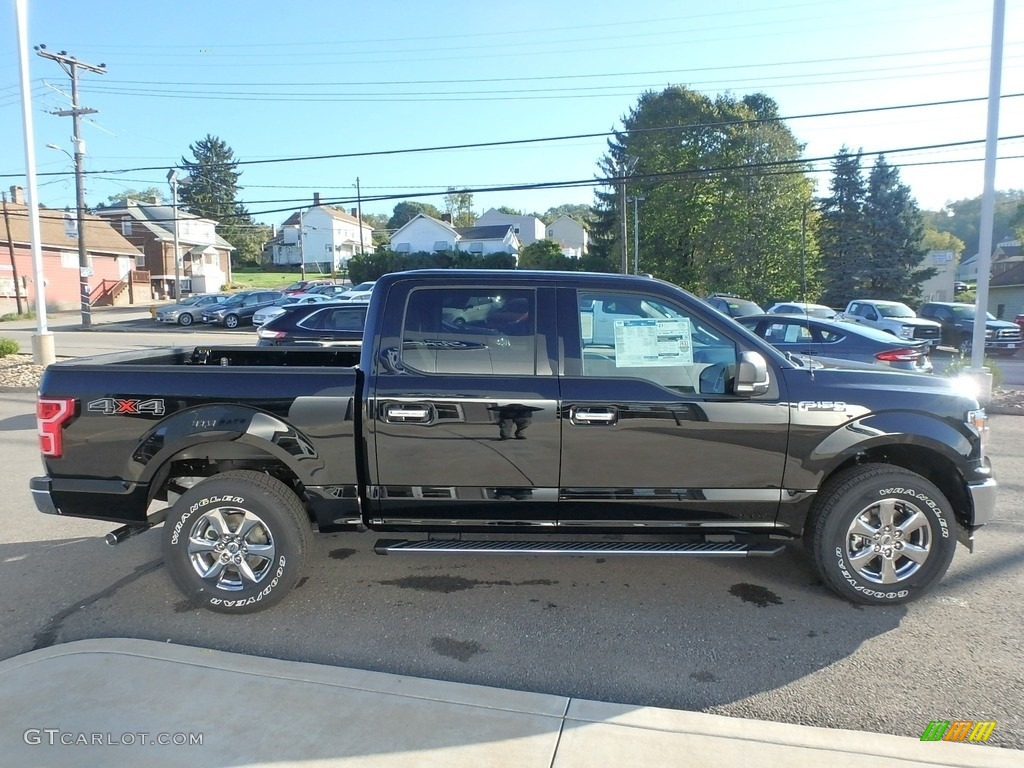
(84, 268)
(172, 179)
(636, 232)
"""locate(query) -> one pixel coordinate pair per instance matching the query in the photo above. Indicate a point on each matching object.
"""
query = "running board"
(705, 549)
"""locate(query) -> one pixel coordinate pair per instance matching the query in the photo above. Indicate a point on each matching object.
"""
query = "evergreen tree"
(895, 235)
(843, 236)
(211, 192)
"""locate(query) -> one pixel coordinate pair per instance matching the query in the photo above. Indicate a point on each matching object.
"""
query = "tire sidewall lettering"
(243, 602)
(201, 504)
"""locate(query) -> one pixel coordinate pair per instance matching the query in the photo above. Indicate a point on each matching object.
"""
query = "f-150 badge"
(821, 405)
(113, 405)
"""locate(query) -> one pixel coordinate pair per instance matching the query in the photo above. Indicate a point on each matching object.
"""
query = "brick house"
(112, 260)
(205, 256)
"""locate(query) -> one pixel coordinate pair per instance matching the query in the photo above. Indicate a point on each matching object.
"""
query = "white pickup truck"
(893, 317)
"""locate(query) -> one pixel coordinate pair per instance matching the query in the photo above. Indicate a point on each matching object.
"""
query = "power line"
(568, 137)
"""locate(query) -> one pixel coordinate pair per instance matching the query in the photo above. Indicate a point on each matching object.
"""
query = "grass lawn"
(241, 279)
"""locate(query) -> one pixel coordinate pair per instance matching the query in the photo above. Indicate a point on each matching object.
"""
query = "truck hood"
(880, 388)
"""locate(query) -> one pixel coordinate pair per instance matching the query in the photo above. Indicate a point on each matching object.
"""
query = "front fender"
(877, 432)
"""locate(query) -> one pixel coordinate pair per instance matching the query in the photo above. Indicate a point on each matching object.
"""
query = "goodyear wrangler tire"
(881, 535)
(237, 542)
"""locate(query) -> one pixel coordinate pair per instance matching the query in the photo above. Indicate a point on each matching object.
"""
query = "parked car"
(269, 313)
(959, 287)
(319, 325)
(892, 317)
(239, 308)
(303, 286)
(802, 308)
(804, 335)
(733, 306)
(957, 321)
(360, 292)
(190, 309)
(333, 291)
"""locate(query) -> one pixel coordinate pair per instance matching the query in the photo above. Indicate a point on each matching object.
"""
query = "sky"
(280, 81)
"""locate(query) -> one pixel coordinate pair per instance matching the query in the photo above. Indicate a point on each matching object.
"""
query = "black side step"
(705, 549)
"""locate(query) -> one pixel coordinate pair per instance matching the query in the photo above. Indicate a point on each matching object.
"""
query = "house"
(425, 233)
(570, 235)
(1006, 292)
(1006, 256)
(204, 258)
(529, 229)
(112, 260)
(967, 269)
(322, 236)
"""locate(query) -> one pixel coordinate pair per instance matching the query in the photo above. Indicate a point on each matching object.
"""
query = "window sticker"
(653, 342)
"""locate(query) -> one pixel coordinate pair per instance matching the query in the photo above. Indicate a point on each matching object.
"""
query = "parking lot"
(752, 638)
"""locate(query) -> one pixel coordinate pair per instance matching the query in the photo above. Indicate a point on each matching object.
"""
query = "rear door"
(652, 436)
(463, 418)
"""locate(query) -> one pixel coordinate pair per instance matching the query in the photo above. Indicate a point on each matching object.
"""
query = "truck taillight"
(901, 355)
(269, 334)
(51, 414)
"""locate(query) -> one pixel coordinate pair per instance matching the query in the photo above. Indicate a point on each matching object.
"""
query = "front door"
(652, 436)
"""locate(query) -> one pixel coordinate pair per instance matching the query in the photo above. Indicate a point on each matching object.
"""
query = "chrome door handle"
(407, 414)
(594, 416)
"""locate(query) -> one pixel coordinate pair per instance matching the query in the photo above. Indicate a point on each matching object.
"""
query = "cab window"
(640, 336)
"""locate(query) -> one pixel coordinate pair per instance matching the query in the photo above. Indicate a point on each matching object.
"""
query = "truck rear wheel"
(881, 535)
(237, 542)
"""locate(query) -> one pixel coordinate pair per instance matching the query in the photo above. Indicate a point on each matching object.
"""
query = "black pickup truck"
(493, 412)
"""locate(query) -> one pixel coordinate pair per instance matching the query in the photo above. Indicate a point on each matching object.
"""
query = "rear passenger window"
(638, 336)
(470, 331)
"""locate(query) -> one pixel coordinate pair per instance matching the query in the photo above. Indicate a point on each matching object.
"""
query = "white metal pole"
(978, 370)
(42, 340)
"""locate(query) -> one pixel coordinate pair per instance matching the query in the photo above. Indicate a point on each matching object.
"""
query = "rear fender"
(224, 431)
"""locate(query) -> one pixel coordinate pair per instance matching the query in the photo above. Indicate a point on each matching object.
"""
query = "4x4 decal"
(114, 405)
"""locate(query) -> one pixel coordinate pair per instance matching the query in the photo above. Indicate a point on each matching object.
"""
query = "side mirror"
(752, 376)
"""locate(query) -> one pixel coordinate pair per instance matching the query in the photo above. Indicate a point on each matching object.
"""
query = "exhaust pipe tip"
(115, 537)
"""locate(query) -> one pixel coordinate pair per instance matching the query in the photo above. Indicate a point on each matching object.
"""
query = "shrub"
(958, 365)
(9, 347)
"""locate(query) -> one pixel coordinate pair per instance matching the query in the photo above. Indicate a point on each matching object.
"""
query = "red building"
(112, 260)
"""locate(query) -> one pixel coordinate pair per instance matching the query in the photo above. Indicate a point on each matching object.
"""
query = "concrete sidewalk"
(120, 701)
(102, 318)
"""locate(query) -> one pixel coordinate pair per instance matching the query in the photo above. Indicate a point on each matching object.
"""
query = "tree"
(545, 254)
(459, 205)
(578, 211)
(211, 192)
(843, 237)
(934, 240)
(147, 194)
(726, 197)
(895, 231)
(406, 211)
(963, 218)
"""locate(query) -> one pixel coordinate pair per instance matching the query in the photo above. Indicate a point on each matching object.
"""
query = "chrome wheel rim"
(185, 319)
(889, 541)
(232, 548)
(230, 321)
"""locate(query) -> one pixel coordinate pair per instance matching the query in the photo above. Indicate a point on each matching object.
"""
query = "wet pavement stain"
(537, 582)
(752, 593)
(301, 582)
(184, 606)
(341, 554)
(460, 650)
(703, 677)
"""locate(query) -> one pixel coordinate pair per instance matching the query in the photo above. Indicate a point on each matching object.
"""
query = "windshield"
(815, 310)
(966, 312)
(232, 301)
(895, 310)
(363, 286)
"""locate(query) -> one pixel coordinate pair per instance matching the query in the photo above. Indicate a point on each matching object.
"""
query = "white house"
(529, 229)
(425, 233)
(321, 235)
(569, 234)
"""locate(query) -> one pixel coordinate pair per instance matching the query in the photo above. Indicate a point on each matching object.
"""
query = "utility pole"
(636, 232)
(71, 66)
(10, 248)
(625, 248)
(359, 211)
(172, 178)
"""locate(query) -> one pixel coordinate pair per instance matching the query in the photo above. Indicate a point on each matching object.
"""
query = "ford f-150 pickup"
(521, 429)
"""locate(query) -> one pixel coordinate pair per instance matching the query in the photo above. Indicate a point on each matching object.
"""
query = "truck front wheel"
(881, 535)
(237, 542)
